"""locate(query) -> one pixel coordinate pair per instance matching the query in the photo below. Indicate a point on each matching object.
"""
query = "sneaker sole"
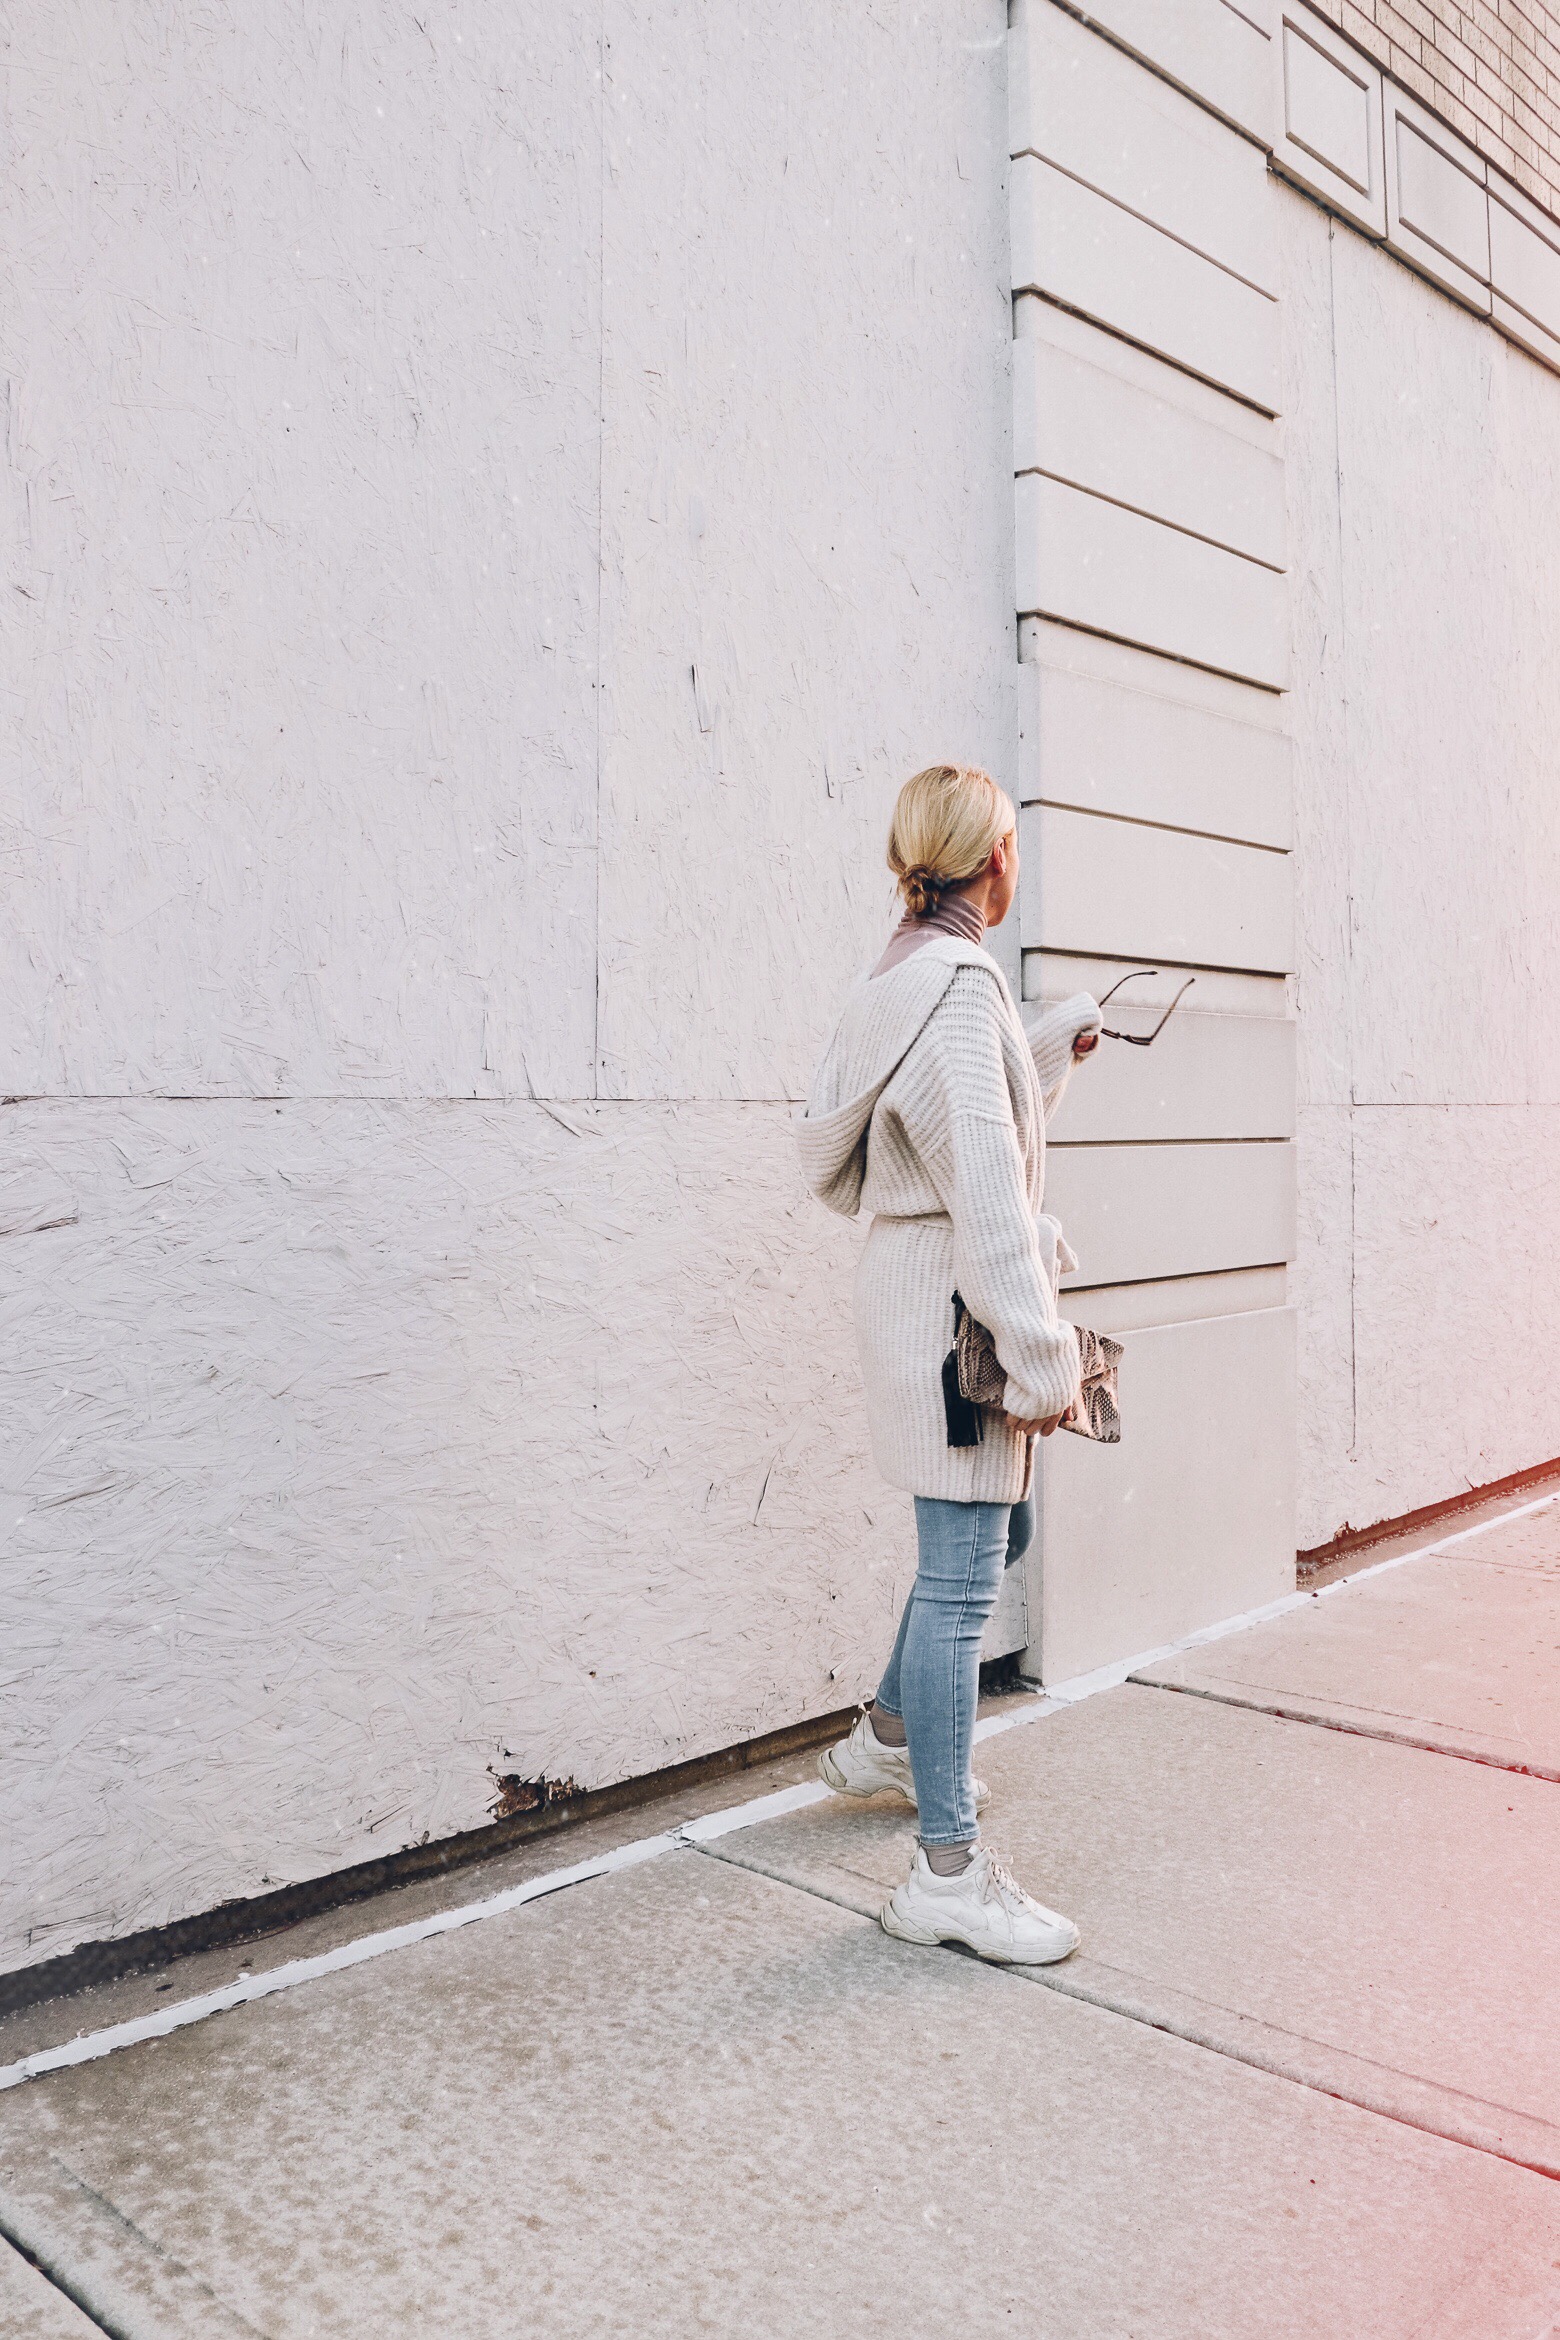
(832, 1776)
(926, 1939)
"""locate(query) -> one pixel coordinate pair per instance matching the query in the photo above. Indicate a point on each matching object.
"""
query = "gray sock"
(888, 1729)
(949, 1860)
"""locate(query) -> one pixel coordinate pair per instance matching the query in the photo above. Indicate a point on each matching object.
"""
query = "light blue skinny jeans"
(932, 1681)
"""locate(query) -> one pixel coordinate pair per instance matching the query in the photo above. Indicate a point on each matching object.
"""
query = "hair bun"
(921, 887)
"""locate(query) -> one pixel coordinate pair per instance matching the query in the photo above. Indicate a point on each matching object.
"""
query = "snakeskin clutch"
(973, 1378)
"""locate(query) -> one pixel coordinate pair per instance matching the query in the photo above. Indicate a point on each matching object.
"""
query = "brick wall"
(1490, 68)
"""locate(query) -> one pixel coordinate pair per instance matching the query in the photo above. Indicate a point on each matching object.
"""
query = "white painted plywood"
(1092, 563)
(354, 1452)
(1091, 410)
(1075, 246)
(301, 664)
(1524, 271)
(1191, 1517)
(1084, 105)
(1216, 53)
(1118, 730)
(1204, 1077)
(1437, 207)
(807, 485)
(1122, 889)
(1329, 106)
(1140, 1213)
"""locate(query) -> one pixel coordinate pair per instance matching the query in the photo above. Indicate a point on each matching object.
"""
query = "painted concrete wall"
(1424, 485)
(495, 503)
(1155, 636)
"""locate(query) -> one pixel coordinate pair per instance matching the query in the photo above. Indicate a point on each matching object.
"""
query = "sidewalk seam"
(1550, 1773)
(689, 1834)
(1067, 1985)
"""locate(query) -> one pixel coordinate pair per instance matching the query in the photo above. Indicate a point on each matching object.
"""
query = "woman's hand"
(1085, 1044)
(1044, 1427)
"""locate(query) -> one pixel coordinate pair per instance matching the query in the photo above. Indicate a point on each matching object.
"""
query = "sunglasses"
(1143, 1039)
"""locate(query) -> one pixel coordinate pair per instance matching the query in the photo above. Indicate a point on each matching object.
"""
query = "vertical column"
(1154, 636)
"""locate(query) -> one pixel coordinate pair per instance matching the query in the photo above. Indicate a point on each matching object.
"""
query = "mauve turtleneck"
(955, 914)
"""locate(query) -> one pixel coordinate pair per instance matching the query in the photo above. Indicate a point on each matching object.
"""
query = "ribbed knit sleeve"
(1051, 1035)
(961, 1120)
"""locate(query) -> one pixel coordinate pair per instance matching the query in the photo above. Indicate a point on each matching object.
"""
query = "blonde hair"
(948, 822)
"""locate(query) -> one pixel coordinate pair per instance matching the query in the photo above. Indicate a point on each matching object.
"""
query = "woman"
(928, 1111)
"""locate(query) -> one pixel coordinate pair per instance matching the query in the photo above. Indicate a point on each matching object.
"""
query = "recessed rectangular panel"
(1132, 1213)
(1093, 111)
(1525, 271)
(1106, 417)
(1120, 731)
(1437, 205)
(1216, 53)
(1204, 1077)
(1221, 991)
(1074, 246)
(1091, 563)
(1121, 890)
(1191, 1518)
(1119, 1308)
(1329, 106)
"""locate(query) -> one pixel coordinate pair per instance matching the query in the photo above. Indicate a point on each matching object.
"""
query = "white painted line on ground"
(772, 1807)
(93, 2044)
(1042, 1703)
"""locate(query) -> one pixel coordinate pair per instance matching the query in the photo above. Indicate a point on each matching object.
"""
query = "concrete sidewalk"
(1302, 2078)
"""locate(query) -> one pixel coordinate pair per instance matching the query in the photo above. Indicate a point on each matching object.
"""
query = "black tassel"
(964, 1422)
(965, 1426)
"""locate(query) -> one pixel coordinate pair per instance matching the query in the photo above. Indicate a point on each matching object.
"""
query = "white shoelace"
(1001, 1885)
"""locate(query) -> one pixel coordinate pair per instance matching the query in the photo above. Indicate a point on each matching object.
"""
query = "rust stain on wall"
(529, 1795)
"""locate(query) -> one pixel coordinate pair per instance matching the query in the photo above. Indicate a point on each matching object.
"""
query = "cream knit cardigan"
(928, 1111)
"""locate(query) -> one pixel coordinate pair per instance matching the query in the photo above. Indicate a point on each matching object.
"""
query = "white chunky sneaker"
(985, 1909)
(862, 1766)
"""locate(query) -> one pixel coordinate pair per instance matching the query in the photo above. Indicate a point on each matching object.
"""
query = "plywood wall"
(496, 503)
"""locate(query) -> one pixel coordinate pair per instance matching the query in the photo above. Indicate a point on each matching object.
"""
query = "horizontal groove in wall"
(1153, 1302)
(1135, 959)
(1141, 512)
(1143, 220)
(1145, 349)
(1161, 72)
(1198, 665)
(1199, 1276)
(1095, 812)
(1104, 1145)
(1053, 976)
(1056, 617)
(383, 1097)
